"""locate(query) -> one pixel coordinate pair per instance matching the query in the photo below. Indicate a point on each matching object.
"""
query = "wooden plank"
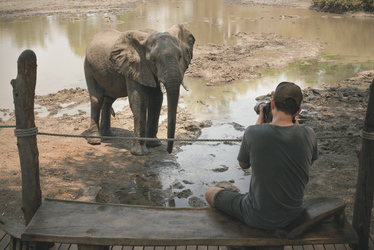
(14, 229)
(127, 248)
(316, 210)
(4, 240)
(59, 246)
(104, 224)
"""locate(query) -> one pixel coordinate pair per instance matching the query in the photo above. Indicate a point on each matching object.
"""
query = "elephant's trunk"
(173, 97)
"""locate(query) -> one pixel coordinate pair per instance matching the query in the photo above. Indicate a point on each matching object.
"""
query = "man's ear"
(272, 103)
(297, 113)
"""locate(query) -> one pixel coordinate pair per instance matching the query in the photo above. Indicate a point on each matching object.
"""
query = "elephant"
(134, 63)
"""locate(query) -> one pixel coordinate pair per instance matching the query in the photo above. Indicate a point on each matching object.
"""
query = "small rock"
(227, 185)
(221, 169)
(196, 202)
(184, 193)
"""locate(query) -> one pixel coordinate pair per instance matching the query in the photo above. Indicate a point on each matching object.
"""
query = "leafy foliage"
(345, 5)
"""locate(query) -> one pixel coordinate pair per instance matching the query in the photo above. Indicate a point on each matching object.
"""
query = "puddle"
(204, 164)
(41, 111)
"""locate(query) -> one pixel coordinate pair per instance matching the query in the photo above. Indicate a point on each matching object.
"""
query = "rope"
(176, 139)
(34, 131)
(143, 139)
(26, 132)
(367, 135)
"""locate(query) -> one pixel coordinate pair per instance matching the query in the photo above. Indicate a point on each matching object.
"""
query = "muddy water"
(60, 41)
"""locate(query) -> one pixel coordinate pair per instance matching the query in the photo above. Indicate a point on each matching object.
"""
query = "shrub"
(345, 5)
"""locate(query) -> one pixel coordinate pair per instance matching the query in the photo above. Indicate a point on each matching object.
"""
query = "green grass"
(345, 5)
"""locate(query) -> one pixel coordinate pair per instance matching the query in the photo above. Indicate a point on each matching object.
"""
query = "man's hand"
(260, 119)
(244, 165)
(296, 121)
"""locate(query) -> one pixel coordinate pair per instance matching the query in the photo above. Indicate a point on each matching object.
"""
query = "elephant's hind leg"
(106, 111)
(96, 99)
(95, 117)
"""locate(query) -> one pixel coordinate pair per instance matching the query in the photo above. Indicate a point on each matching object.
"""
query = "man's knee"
(210, 194)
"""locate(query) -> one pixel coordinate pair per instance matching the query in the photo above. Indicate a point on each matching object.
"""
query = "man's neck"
(281, 119)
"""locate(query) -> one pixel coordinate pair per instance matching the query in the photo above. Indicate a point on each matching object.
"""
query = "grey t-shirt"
(280, 158)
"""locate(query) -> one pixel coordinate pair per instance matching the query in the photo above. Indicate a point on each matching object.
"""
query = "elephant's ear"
(186, 43)
(128, 57)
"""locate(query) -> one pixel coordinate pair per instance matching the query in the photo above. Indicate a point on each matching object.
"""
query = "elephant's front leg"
(138, 104)
(155, 98)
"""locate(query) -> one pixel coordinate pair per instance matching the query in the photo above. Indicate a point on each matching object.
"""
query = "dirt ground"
(72, 169)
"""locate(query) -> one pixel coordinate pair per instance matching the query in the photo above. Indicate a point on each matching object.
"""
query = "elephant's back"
(98, 66)
(98, 53)
(101, 44)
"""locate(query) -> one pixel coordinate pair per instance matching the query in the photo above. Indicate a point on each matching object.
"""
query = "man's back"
(280, 157)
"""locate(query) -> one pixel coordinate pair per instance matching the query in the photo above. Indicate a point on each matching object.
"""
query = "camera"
(268, 116)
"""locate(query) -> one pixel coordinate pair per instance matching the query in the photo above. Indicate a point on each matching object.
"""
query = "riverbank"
(28, 8)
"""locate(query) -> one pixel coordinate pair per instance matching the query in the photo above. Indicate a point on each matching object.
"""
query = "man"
(280, 154)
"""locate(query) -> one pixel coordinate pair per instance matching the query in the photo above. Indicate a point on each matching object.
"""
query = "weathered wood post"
(23, 96)
(365, 180)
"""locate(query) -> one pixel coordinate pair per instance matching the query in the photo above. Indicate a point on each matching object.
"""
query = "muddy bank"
(303, 4)
(223, 64)
(28, 8)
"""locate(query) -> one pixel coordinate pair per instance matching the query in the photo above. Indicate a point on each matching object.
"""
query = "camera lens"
(257, 107)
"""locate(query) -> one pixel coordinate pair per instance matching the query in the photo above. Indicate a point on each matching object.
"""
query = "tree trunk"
(365, 180)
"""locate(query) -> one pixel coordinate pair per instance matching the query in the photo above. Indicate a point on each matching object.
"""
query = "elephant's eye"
(153, 59)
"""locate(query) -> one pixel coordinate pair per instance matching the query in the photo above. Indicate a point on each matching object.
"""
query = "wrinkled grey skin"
(133, 64)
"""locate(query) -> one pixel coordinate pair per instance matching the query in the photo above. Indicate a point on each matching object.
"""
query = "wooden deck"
(4, 245)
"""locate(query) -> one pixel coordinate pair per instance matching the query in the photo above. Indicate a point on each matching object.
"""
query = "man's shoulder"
(258, 127)
(267, 127)
(306, 128)
(258, 130)
(307, 131)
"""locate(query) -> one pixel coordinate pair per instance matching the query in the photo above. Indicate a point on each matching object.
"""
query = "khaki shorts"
(229, 202)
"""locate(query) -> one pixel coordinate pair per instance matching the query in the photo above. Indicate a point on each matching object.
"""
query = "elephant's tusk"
(162, 86)
(185, 86)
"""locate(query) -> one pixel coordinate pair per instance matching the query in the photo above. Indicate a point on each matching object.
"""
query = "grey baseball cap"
(286, 92)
